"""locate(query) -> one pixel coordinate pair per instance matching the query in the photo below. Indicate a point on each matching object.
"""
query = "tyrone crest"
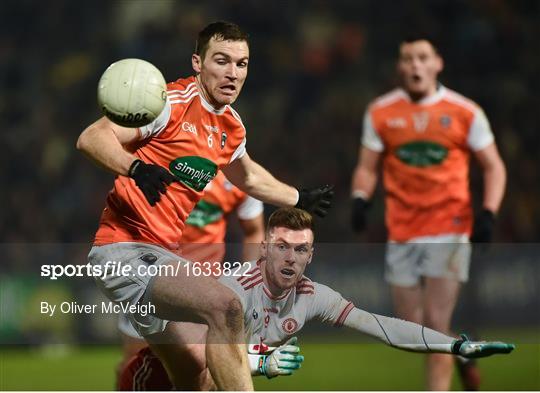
(289, 325)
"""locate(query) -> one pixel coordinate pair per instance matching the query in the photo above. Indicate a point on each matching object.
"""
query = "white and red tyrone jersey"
(270, 321)
(193, 141)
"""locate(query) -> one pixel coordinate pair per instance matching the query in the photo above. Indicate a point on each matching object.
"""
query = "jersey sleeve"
(480, 134)
(329, 306)
(159, 124)
(240, 151)
(249, 208)
(370, 137)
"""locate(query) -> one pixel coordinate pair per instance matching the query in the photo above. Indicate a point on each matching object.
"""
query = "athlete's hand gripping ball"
(283, 360)
(151, 179)
(316, 200)
(479, 349)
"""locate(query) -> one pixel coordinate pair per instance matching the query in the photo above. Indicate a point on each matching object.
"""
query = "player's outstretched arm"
(253, 179)
(283, 360)
(413, 337)
(103, 142)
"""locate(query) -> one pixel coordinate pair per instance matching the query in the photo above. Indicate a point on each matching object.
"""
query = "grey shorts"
(131, 289)
(126, 327)
(444, 256)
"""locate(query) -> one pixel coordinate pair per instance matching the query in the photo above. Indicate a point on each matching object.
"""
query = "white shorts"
(445, 256)
(131, 289)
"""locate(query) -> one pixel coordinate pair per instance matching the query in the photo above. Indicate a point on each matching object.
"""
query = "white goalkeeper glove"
(282, 361)
(479, 349)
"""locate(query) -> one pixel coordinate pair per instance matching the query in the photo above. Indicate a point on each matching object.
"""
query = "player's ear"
(440, 64)
(264, 248)
(310, 255)
(196, 63)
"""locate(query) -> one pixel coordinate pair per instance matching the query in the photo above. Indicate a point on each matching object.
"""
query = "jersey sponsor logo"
(289, 325)
(420, 121)
(421, 153)
(188, 127)
(194, 171)
(203, 214)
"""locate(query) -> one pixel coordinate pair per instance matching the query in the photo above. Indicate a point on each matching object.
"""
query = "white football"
(132, 92)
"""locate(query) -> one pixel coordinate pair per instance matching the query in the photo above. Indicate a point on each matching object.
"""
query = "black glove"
(151, 179)
(315, 200)
(483, 227)
(359, 210)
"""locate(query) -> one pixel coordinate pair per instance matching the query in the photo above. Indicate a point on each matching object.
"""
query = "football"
(132, 92)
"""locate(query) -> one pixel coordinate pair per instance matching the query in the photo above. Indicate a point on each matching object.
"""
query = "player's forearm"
(101, 145)
(399, 333)
(260, 184)
(494, 186)
(364, 182)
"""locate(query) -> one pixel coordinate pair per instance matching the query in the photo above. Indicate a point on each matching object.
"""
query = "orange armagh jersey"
(425, 151)
(204, 235)
(193, 141)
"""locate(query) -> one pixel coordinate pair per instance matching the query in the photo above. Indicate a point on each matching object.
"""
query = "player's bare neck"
(205, 96)
(420, 96)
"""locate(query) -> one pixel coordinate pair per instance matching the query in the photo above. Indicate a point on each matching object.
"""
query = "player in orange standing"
(423, 133)
(203, 240)
(162, 170)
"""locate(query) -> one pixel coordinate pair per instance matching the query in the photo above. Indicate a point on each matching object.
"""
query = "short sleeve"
(240, 151)
(480, 134)
(249, 208)
(370, 137)
(329, 306)
(159, 124)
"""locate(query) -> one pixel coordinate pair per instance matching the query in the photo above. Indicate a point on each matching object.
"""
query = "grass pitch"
(327, 367)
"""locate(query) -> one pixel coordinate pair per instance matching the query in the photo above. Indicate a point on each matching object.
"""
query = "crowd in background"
(314, 67)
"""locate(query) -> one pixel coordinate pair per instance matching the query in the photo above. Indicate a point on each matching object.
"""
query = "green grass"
(327, 367)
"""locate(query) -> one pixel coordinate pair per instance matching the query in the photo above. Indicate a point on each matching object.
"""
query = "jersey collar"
(429, 100)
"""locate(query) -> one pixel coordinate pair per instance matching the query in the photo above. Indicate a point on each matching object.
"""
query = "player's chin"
(227, 99)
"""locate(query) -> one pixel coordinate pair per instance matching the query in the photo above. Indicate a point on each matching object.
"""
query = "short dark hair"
(222, 31)
(290, 218)
(421, 36)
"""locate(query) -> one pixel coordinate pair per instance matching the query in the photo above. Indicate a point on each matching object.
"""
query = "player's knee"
(436, 320)
(227, 313)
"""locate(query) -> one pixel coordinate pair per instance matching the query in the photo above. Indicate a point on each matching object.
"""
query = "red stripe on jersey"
(253, 284)
(251, 278)
(343, 316)
(306, 285)
(248, 273)
(305, 292)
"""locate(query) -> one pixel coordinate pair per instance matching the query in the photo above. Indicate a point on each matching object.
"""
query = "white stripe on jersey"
(141, 375)
(461, 100)
(182, 93)
(185, 100)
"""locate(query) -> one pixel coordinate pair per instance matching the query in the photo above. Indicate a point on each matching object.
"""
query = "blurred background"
(314, 67)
